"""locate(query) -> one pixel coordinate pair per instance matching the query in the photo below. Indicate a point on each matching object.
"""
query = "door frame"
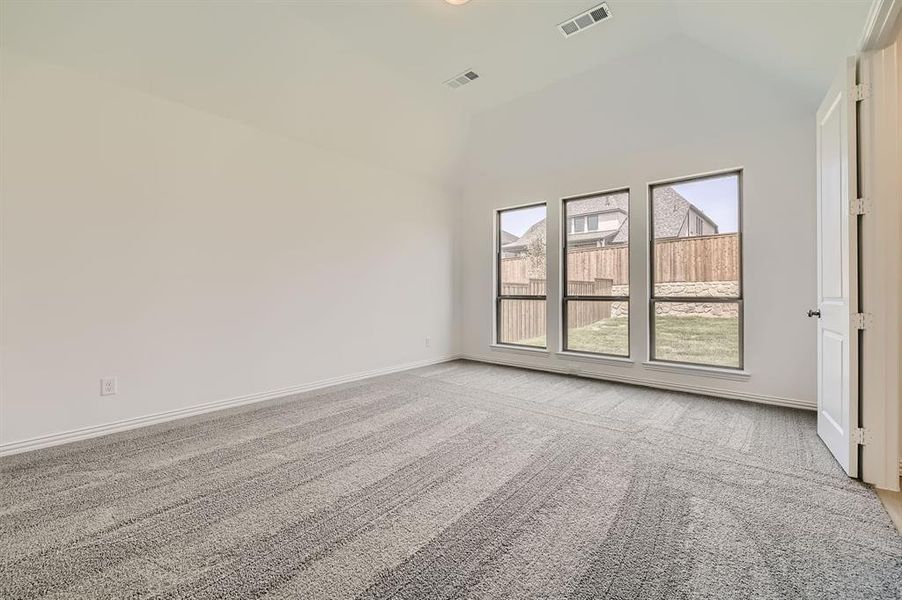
(880, 155)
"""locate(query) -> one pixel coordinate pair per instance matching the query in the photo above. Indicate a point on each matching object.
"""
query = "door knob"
(814, 313)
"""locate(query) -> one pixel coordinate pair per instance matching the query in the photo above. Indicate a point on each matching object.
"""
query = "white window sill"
(519, 349)
(700, 371)
(615, 361)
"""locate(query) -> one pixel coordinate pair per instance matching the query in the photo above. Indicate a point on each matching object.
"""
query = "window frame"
(499, 297)
(565, 297)
(739, 299)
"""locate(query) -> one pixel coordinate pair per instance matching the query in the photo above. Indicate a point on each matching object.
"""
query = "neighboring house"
(604, 221)
(518, 246)
(675, 216)
(507, 237)
(599, 221)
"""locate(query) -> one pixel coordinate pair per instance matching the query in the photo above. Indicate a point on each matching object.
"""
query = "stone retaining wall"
(687, 288)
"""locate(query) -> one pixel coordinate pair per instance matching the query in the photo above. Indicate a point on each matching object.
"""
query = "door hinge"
(859, 206)
(861, 436)
(861, 91)
(861, 320)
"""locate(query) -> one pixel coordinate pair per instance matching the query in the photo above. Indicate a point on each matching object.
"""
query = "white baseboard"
(74, 435)
(678, 387)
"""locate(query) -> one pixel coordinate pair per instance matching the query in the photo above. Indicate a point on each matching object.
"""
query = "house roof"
(671, 210)
(670, 213)
(507, 237)
(623, 234)
(536, 232)
(613, 203)
(595, 204)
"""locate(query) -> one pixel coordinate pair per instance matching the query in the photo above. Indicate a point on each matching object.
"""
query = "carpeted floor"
(460, 480)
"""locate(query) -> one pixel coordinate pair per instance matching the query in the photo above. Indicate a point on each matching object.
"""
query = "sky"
(518, 221)
(716, 197)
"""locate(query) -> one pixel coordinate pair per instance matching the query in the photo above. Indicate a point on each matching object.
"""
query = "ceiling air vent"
(462, 79)
(585, 20)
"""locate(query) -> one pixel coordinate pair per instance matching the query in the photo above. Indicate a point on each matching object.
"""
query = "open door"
(837, 271)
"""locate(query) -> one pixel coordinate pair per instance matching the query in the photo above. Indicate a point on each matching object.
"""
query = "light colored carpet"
(460, 480)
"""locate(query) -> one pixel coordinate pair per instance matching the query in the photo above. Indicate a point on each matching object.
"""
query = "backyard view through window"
(696, 268)
(520, 290)
(596, 270)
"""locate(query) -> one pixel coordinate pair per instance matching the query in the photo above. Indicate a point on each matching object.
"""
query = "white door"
(837, 272)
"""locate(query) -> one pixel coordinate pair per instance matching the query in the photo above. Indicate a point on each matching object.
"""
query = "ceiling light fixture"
(457, 2)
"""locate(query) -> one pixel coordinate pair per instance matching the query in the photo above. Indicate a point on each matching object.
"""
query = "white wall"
(691, 111)
(266, 64)
(196, 258)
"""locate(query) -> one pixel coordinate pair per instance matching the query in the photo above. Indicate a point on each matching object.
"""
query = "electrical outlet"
(428, 341)
(109, 386)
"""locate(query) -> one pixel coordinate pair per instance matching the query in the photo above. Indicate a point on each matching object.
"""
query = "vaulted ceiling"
(364, 77)
(517, 48)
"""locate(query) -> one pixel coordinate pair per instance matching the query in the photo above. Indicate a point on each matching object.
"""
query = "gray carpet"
(460, 480)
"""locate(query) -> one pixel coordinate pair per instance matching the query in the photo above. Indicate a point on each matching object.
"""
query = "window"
(579, 225)
(595, 301)
(696, 282)
(520, 276)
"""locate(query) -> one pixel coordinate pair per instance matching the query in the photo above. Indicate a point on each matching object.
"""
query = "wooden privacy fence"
(598, 287)
(584, 313)
(525, 319)
(612, 262)
(520, 320)
(514, 270)
(702, 258)
(532, 287)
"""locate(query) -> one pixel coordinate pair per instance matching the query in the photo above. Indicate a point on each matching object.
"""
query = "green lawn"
(608, 336)
(703, 340)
